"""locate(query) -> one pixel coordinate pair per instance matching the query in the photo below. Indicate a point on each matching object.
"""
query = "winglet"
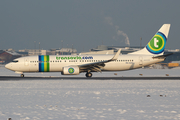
(116, 55)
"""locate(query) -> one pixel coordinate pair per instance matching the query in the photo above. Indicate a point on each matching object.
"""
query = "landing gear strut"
(22, 75)
(88, 74)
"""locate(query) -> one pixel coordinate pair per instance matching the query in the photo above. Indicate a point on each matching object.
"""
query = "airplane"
(152, 53)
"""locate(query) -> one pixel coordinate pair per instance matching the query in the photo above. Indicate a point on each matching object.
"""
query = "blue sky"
(85, 24)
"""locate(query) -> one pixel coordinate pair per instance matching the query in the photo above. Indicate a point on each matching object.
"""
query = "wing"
(96, 66)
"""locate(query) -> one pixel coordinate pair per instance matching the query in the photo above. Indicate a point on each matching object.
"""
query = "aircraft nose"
(8, 66)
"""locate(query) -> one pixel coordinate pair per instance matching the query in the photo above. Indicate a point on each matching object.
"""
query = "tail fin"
(157, 44)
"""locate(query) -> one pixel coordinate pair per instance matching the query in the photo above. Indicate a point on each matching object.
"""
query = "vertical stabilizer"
(157, 44)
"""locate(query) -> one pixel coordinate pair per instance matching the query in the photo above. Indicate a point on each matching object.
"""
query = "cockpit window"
(15, 61)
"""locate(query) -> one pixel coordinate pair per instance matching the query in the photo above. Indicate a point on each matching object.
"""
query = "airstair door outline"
(26, 61)
(140, 60)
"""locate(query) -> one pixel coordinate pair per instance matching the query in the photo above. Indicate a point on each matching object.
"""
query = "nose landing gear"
(22, 75)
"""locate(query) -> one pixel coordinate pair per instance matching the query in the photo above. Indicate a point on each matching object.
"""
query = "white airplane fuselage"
(57, 62)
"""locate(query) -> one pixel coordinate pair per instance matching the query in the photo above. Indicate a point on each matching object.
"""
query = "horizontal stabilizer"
(163, 56)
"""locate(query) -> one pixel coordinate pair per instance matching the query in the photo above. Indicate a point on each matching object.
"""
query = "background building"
(125, 50)
(62, 51)
(8, 56)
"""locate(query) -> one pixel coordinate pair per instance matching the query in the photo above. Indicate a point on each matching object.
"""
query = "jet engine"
(68, 70)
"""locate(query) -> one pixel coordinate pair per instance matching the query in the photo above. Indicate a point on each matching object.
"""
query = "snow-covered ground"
(91, 99)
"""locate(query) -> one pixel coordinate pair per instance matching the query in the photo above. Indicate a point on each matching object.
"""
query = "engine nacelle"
(68, 70)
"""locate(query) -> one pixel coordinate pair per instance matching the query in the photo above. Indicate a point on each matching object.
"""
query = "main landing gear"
(88, 74)
(22, 75)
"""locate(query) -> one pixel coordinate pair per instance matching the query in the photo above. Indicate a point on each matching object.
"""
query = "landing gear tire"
(22, 75)
(88, 74)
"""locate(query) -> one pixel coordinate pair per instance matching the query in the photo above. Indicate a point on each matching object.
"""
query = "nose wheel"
(88, 74)
(22, 75)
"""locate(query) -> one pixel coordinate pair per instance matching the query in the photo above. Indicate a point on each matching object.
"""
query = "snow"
(91, 99)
